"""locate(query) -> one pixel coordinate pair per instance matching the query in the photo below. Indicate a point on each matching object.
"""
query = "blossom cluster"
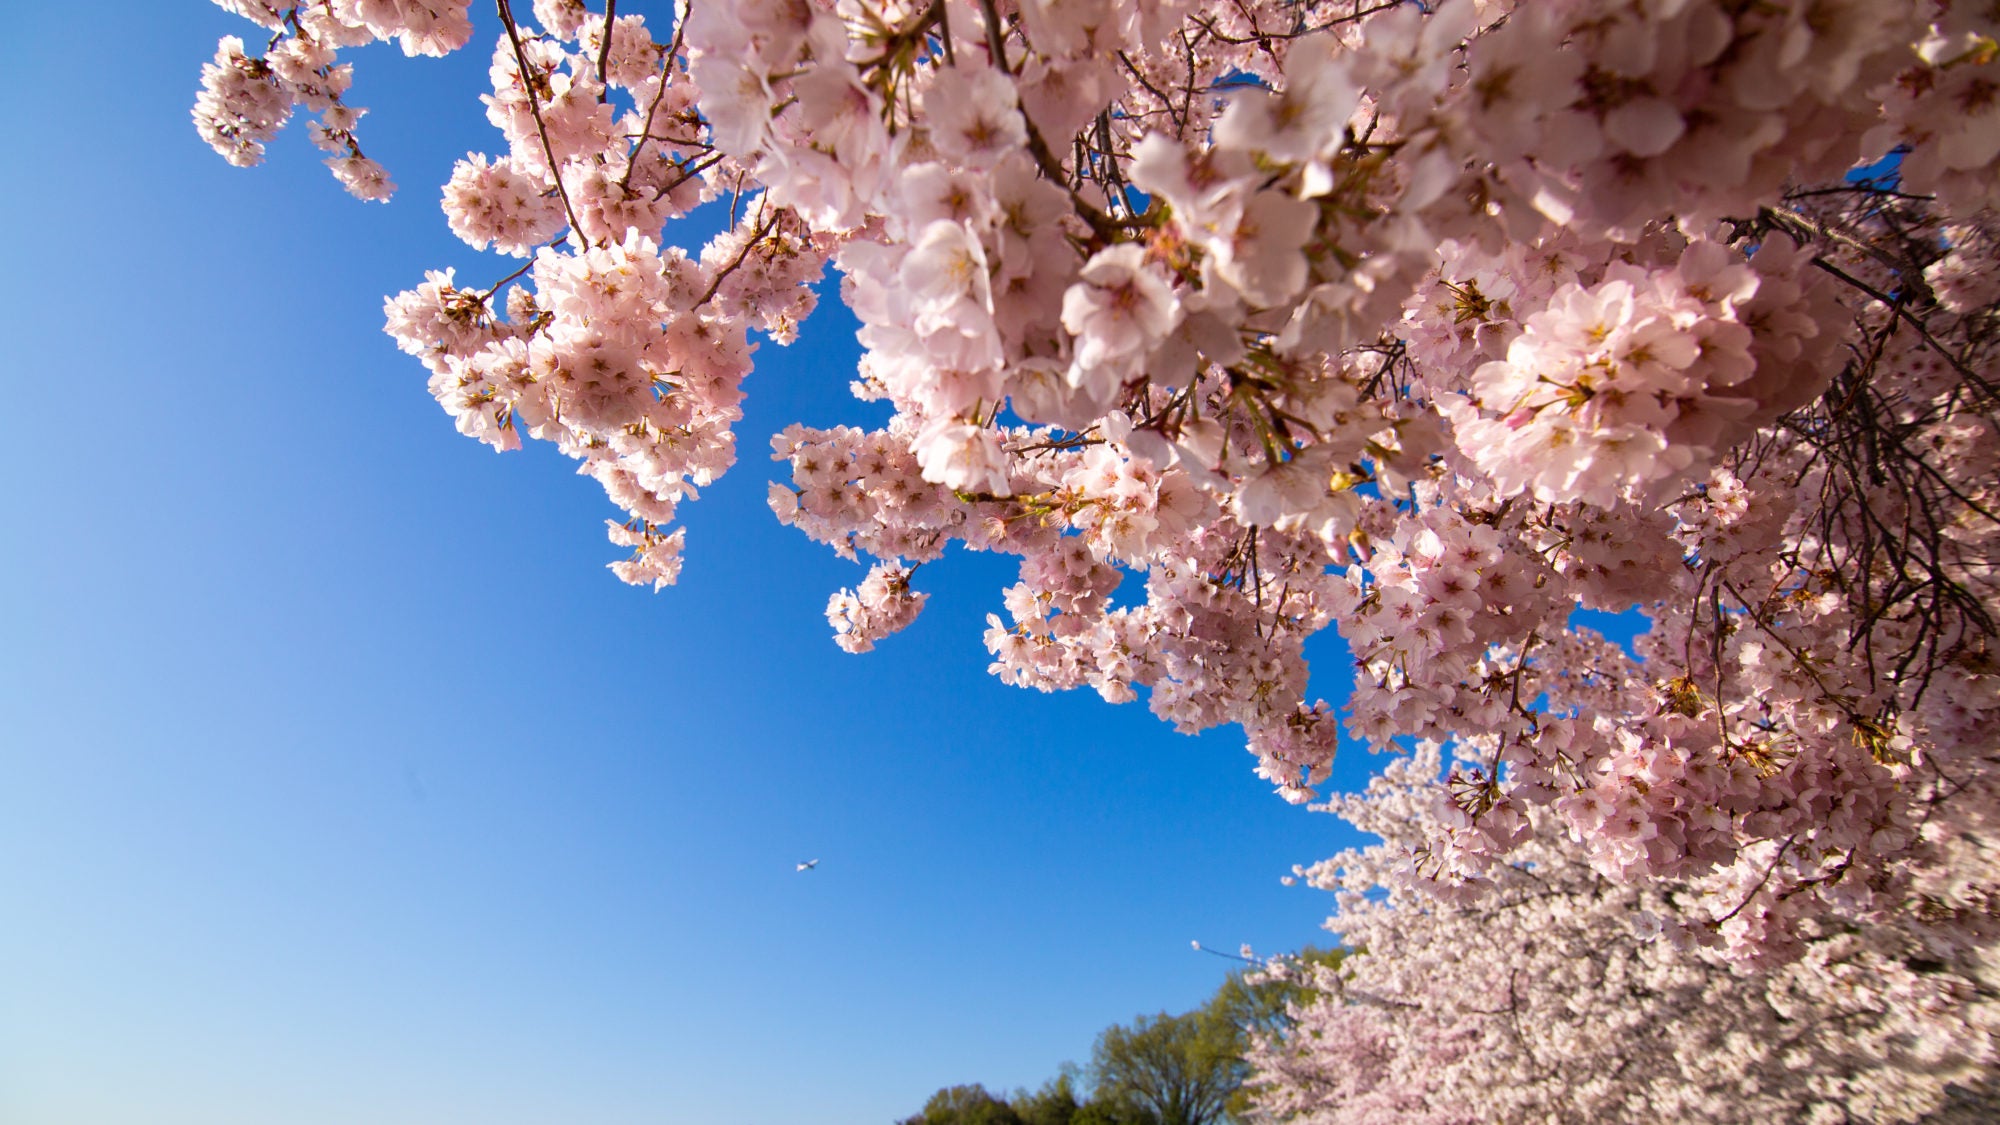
(1240, 320)
(1551, 993)
(245, 99)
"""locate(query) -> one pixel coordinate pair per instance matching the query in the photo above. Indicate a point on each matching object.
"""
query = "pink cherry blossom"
(1236, 321)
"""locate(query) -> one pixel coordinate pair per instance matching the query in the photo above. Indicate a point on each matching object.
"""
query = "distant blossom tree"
(1542, 991)
(1428, 322)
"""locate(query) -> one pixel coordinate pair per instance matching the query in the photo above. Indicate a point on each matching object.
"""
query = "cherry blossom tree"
(1544, 992)
(1236, 320)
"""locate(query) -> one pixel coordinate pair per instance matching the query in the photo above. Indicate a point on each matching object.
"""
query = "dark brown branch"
(604, 50)
(506, 10)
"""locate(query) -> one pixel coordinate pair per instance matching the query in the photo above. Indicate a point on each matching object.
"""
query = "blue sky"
(340, 782)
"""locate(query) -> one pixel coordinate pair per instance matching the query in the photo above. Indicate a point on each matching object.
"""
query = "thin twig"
(535, 107)
(742, 255)
(1895, 307)
(604, 50)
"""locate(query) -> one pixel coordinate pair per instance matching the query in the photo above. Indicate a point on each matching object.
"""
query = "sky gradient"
(340, 782)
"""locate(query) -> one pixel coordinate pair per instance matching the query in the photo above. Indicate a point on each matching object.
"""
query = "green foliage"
(1059, 1103)
(1056, 1103)
(965, 1105)
(1185, 1069)
(1178, 1070)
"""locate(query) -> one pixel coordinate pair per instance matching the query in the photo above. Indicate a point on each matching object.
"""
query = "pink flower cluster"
(245, 100)
(1239, 320)
(1549, 992)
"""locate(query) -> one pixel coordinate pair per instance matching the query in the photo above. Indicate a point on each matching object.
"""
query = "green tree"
(1178, 1070)
(1056, 1103)
(1162, 1070)
(965, 1105)
(1059, 1102)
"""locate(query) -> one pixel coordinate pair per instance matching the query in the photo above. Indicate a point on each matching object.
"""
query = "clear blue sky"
(340, 782)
